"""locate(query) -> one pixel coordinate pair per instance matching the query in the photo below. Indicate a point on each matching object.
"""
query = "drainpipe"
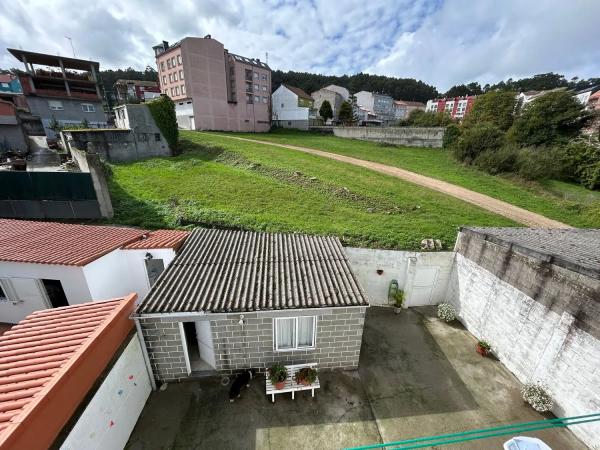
(145, 352)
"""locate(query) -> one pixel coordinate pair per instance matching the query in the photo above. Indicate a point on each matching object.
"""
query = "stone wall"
(338, 341)
(541, 320)
(410, 136)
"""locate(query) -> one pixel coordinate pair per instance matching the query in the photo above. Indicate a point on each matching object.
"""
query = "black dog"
(243, 379)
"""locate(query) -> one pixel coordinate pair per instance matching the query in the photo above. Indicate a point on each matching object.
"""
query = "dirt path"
(499, 207)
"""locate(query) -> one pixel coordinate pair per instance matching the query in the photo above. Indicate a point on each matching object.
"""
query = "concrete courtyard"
(418, 376)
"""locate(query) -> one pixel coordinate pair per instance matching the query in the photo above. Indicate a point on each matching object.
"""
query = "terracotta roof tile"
(160, 239)
(48, 350)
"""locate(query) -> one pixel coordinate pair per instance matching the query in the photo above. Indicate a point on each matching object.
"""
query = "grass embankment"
(222, 182)
(565, 202)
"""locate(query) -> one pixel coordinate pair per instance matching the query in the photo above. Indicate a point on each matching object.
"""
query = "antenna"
(72, 48)
(267, 58)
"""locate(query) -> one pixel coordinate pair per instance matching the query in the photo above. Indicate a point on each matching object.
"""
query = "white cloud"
(441, 43)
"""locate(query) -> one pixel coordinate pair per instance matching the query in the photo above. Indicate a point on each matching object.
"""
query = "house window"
(175, 76)
(164, 79)
(256, 87)
(249, 99)
(256, 99)
(172, 91)
(178, 60)
(256, 75)
(55, 105)
(162, 66)
(88, 107)
(173, 61)
(282, 105)
(263, 76)
(294, 333)
(265, 99)
(3, 296)
(264, 88)
(157, 137)
(170, 78)
(181, 74)
(168, 63)
(183, 89)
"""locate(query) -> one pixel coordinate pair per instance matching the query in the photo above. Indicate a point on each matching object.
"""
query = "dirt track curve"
(499, 207)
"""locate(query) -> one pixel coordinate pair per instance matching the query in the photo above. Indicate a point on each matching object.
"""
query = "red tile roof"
(160, 239)
(50, 361)
(72, 244)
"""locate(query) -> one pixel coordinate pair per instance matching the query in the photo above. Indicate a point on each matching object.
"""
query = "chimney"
(165, 45)
(207, 36)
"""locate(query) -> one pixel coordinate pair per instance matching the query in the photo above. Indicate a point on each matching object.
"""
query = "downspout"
(145, 352)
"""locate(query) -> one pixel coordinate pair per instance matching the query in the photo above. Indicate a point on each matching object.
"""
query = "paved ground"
(418, 377)
(499, 207)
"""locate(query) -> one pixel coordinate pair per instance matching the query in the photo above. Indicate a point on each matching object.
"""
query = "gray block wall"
(411, 136)
(338, 341)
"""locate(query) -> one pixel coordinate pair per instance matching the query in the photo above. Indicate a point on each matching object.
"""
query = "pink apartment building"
(212, 88)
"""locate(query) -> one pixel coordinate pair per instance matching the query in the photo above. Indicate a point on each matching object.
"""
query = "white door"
(422, 286)
(205, 343)
(20, 297)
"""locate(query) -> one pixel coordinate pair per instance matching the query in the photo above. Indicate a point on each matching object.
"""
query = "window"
(55, 293)
(265, 99)
(264, 88)
(183, 89)
(3, 295)
(181, 74)
(170, 78)
(162, 66)
(157, 137)
(88, 107)
(178, 60)
(263, 76)
(256, 87)
(55, 105)
(176, 90)
(256, 75)
(257, 99)
(172, 92)
(282, 105)
(168, 63)
(249, 99)
(164, 79)
(293, 333)
(173, 61)
(175, 76)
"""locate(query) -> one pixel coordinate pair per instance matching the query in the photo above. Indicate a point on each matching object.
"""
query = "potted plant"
(446, 312)
(278, 375)
(483, 348)
(398, 301)
(306, 376)
(537, 395)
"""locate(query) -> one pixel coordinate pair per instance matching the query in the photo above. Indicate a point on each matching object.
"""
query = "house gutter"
(145, 352)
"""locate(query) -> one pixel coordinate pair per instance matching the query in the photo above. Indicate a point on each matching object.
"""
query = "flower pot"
(280, 385)
(482, 351)
(305, 382)
(397, 310)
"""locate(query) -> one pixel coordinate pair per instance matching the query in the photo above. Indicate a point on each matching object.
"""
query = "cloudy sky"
(442, 42)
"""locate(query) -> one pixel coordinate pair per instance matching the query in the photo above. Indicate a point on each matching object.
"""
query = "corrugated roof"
(49, 362)
(228, 271)
(73, 244)
(160, 239)
(573, 248)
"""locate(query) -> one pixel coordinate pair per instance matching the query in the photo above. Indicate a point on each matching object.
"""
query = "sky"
(442, 42)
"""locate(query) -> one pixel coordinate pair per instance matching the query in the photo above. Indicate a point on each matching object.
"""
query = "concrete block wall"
(543, 336)
(411, 136)
(338, 341)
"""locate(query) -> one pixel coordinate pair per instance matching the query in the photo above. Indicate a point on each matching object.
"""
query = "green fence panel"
(63, 186)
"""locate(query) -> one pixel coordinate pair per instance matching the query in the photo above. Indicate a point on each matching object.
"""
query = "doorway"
(55, 293)
(200, 351)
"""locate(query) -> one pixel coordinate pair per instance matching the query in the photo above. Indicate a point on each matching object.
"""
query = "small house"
(234, 299)
(293, 108)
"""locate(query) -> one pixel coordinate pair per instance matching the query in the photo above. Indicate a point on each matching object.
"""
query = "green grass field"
(568, 203)
(222, 182)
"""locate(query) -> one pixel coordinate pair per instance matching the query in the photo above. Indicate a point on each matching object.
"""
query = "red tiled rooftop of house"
(159, 239)
(49, 362)
(73, 244)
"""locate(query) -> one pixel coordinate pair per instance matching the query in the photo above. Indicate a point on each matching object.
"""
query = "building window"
(178, 60)
(170, 78)
(176, 90)
(248, 75)
(256, 87)
(183, 89)
(264, 88)
(168, 63)
(256, 75)
(164, 79)
(55, 105)
(265, 99)
(88, 107)
(263, 76)
(173, 61)
(181, 74)
(162, 66)
(256, 99)
(3, 296)
(282, 105)
(249, 99)
(172, 92)
(175, 76)
(294, 333)
(157, 137)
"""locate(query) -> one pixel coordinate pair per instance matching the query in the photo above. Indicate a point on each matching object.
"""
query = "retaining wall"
(409, 136)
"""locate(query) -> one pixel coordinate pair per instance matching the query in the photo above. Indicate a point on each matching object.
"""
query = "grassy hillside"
(568, 203)
(217, 181)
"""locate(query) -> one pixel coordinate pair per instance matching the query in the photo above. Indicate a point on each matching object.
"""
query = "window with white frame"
(256, 75)
(162, 66)
(183, 89)
(265, 99)
(256, 99)
(175, 76)
(164, 79)
(170, 78)
(294, 333)
(169, 63)
(264, 88)
(55, 105)
(178, 60)
(181, 74)
(176, 90)
(88, 107)
(263, 76)
(173, 61)
(3, 291)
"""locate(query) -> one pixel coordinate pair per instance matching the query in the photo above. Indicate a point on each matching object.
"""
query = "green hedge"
(163, 112)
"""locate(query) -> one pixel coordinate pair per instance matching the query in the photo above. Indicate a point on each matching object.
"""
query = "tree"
(346, 115)
(463, 90)
(495, 107)
(484, 137)
(551, 119)
(325, 110)
(420, 118)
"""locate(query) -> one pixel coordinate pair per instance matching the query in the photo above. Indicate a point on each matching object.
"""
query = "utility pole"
(72, 48)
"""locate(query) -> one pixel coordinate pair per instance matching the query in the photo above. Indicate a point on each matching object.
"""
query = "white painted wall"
(535, 343)
(110, 416)
(139, 282)
(25, 275)
(285, 105)
(422, 275)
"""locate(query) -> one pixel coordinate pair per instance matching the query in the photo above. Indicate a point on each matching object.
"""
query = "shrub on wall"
(163, 113)
(451, 135)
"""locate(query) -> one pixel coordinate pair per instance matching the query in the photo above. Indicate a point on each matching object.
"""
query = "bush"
(420, 118)
(539, 163)
(163, 112)
(503, 160)
(451, 135)
(446, 312)
(476, 140)
(581, 162)
(537, 396)
(495, 107)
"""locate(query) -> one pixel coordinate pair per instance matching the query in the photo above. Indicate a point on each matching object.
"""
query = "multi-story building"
(139, 90)
(456, 107)
(69, 94)
(212, 88)
(381, 105)
(10, 83)
(345, 93)
(334, 98)
(402, 108)
(293, 108)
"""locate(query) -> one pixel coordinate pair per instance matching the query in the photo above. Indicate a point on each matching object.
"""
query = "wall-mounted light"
(149, 255)
(241, 321)
(379, 271)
